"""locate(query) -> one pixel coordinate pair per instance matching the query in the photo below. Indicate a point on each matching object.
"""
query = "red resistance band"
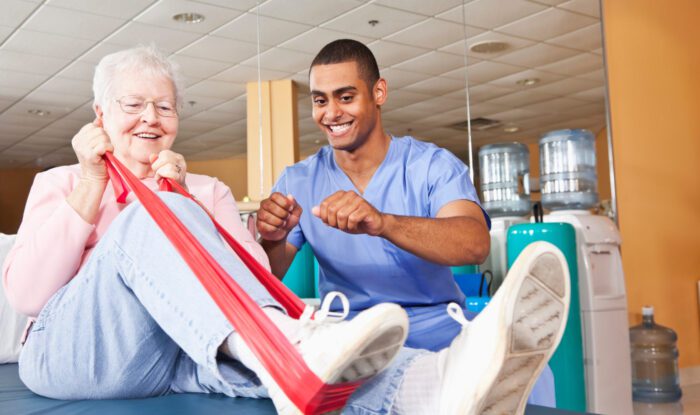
(275, 352)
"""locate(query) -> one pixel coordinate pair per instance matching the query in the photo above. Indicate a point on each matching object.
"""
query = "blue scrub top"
(415, 179)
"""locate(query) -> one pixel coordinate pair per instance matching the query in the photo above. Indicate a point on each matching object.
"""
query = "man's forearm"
(281, 254)
(446, 241)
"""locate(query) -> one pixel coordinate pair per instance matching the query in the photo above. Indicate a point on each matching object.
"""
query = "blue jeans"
(135, 322)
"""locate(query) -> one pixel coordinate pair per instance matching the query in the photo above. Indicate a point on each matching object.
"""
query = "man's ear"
(380, 91)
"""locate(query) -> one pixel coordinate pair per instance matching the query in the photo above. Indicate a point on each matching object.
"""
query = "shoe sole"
(368, 356)
(535, 320)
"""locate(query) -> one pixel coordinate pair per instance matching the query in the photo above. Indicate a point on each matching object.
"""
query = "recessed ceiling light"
(489, 46)
(317, 141)
(511, 129)
(38, 112)
(528, 81)
(189, 18)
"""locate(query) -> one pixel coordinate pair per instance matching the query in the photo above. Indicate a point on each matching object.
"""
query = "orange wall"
(653, 51)
(231, 171)
(13, 196)
(17, 182)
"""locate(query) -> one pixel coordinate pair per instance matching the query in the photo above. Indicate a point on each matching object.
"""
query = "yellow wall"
(653, 52)
(231, 171)
(14, 188)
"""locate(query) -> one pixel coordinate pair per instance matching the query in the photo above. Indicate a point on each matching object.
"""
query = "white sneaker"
(493, 364)
(340, 351)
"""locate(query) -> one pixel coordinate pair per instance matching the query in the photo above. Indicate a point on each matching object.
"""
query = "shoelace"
(311, 320)
(455, 311)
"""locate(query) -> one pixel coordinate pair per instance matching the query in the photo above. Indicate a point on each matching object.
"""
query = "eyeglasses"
(137, 105)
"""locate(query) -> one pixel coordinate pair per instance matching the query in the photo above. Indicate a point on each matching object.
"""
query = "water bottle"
(654, 361)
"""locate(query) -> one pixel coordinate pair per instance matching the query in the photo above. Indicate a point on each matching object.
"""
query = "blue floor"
(16, 399)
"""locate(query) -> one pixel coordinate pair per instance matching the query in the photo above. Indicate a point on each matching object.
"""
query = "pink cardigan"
(53, 241)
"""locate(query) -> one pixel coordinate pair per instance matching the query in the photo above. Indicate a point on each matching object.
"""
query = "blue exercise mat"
(16, 399)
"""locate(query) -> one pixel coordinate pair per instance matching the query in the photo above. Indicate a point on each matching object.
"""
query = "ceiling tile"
(78, 70)
(521, 98)
(586, 39)
(485, 92)
(59, 85)
(514, 43)
(595, 75)
(280, 59)
(426, 8)
(491, 13)
(535, 55)
(220, 49)
(313, 40)
(162, 15)
(99, 51)
(555, 106)
(44, 44)
(432, 63)
(444, 119)
(566, 86)
(390, 53)
(483, 71)
(399, 98)
(197, 126)
(390, 21)
(510, 81)
(72, 23)
(310, 12)
(243, 5)
(436, 86)
(578, 65)
(14, 12)
(5, 32)
(17, 79)
(199, 68)
(216, 117)
(272, 31)
(216, 89)
(513, 115)
(243, 74)
(65, 101)
(593, 94)
(587, 7)
(123, 9)
(547, 24)
(236, 106)
(397, 78)
(23, 62)
(168, 40)
(433, 34)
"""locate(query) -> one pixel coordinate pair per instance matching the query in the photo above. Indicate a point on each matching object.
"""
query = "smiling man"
(385, 216)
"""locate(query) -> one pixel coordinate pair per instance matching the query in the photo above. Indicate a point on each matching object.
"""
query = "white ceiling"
(48, 50)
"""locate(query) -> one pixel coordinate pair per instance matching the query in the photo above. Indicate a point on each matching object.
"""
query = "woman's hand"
(171, 165)
(90, 144)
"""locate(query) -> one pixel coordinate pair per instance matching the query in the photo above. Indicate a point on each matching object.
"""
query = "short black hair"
(348, 50)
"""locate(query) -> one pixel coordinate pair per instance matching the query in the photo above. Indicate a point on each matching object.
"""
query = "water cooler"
(569, 189)
(504, 171)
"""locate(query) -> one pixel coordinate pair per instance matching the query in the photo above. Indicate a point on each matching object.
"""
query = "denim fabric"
(136, 322)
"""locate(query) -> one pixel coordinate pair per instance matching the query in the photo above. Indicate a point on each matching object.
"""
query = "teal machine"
(301, 277)
(567, 361)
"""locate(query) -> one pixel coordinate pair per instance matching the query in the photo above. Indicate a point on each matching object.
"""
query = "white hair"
(147, 60)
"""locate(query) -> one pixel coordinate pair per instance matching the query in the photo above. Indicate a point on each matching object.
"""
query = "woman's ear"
(98, 113)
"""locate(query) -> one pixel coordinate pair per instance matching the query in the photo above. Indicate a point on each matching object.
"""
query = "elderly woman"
(118, 314)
